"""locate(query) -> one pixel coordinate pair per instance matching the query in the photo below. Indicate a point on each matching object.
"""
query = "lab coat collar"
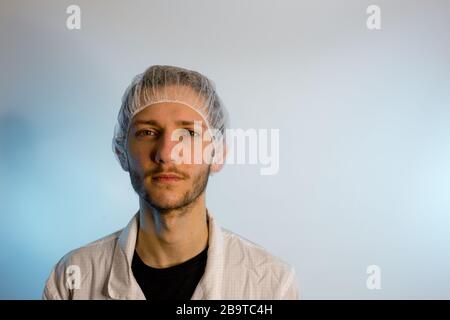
(122, 284)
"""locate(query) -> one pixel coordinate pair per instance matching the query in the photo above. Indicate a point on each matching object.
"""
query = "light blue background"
(363, 116)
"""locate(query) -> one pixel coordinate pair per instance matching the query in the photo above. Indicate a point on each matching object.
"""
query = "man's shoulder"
(87, 264)
(262, 274)
(92, 253)
(240, 251)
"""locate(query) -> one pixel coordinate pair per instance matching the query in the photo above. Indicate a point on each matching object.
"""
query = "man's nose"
(163, 152)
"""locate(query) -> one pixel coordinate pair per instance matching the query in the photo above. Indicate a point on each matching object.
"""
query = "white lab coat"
(236, 268)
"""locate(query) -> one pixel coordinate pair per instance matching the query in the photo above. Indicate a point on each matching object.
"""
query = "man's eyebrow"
(190, 123)
(150, 122)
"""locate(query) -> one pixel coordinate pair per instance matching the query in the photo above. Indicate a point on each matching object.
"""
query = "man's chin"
(164, 203)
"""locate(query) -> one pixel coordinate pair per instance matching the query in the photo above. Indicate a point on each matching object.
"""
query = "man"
(170, 137)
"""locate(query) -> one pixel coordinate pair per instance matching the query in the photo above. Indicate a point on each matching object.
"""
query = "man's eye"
(186, 133)
(141, 133)
(192, 133)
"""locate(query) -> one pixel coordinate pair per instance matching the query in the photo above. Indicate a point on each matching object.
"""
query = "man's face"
(150, 156)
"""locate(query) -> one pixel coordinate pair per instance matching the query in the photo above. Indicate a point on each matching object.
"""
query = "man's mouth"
(166, 178)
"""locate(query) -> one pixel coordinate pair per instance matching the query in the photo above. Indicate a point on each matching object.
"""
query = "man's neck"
(170, 238)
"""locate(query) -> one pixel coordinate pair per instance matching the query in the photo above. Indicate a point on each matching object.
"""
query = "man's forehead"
(183, 93)
(162, 114)
(177, 122)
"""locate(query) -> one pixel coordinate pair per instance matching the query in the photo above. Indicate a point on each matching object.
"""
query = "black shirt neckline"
(184, 267)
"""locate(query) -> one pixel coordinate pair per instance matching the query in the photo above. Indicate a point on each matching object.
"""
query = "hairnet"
(168, 84)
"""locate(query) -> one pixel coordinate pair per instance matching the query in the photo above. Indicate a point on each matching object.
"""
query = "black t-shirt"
(172, 283)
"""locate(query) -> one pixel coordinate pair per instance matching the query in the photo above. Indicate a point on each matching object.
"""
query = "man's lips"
(166, 177)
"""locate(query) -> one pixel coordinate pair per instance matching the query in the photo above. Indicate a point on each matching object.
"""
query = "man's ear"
(123, 159)
(220, 154)
(118, 153)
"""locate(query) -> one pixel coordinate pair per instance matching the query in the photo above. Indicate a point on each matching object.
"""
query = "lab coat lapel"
(210, 285)
(121, 282)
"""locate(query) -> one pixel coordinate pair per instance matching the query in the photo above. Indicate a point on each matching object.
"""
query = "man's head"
(167, 112)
